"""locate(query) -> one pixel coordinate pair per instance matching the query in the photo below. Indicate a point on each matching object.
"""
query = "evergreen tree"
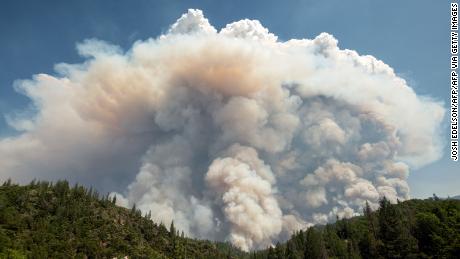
(291, 250)
(370, 244)
(172, 230)
(44, 220)
(315, 246)
(396, 238)
(334, 245)
(271, 253)
(352, 250)
(427, 231)
(133, 209)
(279, 250)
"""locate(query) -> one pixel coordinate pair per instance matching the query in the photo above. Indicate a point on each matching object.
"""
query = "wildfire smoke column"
(232, 133)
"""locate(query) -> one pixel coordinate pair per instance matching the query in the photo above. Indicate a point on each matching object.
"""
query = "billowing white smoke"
(232, 134)
(243, 183)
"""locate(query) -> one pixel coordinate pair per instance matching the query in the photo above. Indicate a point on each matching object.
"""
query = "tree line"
(56, 220)
(412, 229)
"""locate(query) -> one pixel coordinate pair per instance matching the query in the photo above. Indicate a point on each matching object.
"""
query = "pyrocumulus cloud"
(233, 134)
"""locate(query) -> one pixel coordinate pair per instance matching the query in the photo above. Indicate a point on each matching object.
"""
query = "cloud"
(244, 186)
(232, 134)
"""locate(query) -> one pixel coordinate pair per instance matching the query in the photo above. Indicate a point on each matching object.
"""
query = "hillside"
(412, 229)
(44, 220)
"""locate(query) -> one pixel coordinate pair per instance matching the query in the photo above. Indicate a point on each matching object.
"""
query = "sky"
(410, 36)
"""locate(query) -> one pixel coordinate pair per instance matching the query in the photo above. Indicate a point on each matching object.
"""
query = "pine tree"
(428, 233)
(279, 251)
(172, 230)
(172, 235)
(291, 250)
(315, 246)
(336, 247)
(271, 253)
(134, 209)
(371, 242)
(396, 237)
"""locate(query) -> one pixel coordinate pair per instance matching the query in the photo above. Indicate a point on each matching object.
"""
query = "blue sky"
(410, 36)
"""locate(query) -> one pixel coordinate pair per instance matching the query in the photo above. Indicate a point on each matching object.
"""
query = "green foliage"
(45, 220)
(314, 247)
(397, 241)
(412, 229)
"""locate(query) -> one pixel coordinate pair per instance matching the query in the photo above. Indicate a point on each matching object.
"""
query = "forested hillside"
(411, 229)
(44, 220)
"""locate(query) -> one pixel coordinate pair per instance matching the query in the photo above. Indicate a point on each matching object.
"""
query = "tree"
(336, 247)
(271, 253)
(279, 251)
(427, 231)
(370, 245)
(396, 237)
(134, 209)
(315, 245)
(172, 230)
(172, 236)
(291, 250)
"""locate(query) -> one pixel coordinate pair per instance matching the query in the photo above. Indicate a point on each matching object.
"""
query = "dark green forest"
(55, 220)
(45, 220)
(412, 229)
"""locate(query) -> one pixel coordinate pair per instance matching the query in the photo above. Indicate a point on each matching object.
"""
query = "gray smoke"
(232, 134)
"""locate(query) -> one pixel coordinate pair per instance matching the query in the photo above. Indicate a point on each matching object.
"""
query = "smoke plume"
(233, 134)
